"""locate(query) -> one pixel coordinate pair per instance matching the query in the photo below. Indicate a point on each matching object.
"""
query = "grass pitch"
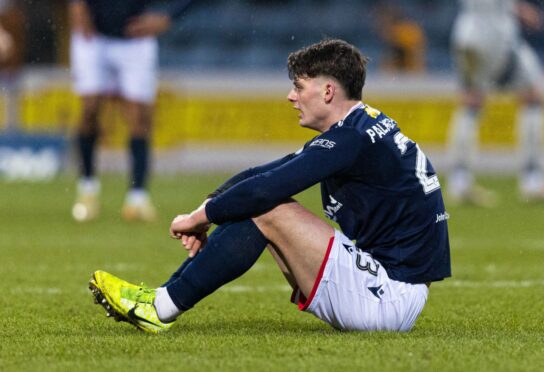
(489, 316)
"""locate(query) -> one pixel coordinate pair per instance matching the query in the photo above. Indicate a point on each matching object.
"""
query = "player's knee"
(270, 218)
(473, 100)
(531, 97)
(140, 121)
(89, 121)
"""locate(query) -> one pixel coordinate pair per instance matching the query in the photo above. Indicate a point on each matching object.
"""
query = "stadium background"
(222, 107)
(223, 82)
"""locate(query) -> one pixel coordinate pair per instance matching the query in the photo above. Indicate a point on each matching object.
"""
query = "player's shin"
(463, 145)
(530, 125)
(231, 250)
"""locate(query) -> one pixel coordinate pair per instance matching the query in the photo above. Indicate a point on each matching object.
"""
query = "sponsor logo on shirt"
(372, 112)
(442, 217)
(322, 142)
(332, 208)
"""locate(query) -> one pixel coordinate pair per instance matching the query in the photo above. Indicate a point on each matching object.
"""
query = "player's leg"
(333, 279)
(90, 81)
(136, 63)
(234, 247)
(464, 129)
(529, 123)
(137, 205)
(283, 265)
(231, 250)
(300, 240)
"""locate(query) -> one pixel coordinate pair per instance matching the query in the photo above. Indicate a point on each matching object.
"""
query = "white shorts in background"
(103, 65)
(353, 292)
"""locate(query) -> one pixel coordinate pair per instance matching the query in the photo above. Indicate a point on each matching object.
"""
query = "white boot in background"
(87, 205)
(138, 207)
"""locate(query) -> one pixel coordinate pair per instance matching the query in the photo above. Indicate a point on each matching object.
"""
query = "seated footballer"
(376, 183)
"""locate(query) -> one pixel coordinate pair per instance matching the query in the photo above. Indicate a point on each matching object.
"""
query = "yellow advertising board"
(242, 118)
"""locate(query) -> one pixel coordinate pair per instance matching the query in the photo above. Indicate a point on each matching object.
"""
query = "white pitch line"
(36, 290)
(518, 244)
(249, 288)
(529, 283)
(492, 284)
(446, 283)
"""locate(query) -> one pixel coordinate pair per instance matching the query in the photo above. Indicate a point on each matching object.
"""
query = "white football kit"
(354, 293)
(488, 46)
(105, 65)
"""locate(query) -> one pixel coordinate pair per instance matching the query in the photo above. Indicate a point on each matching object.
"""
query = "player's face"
(308, 97)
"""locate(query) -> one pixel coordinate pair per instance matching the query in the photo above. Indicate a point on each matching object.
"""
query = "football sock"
(88, 186)
(136, 197)
(463, 145)
(231, 250)
(139, 150)
(167, 311)
(529, 122)
(179, 271)
(86, 145)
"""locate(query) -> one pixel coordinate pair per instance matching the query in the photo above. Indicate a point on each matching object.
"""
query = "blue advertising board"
(32, 157)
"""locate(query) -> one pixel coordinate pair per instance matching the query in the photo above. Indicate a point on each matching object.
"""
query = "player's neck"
(339, 112)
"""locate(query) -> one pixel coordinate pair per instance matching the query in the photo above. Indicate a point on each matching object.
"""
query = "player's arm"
(529, 15)
(80, 18)
(249, 173)
(331, 153)
(192, 228)
(256, 190)
(155, 21)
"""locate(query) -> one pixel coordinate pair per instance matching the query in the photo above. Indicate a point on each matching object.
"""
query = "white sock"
(463, 146)
(166, 309)
(137, 197)
(529, 123)
(88, 185)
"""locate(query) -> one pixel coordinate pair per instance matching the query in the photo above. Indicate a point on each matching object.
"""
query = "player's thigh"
(90, 74)
(136, 64)
(301, 237)
(470, 65)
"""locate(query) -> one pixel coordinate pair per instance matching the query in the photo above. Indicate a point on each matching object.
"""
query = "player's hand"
(191, 229)
(6, 45)
(193, 243)
(80, 19)
(147, 24)
(530, 16)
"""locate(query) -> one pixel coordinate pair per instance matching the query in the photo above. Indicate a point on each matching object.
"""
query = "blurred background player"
(114, 51)
(12, 41)
(490, 52)
(404, 39)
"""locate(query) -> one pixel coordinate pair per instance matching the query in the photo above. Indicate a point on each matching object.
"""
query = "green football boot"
(127, 302)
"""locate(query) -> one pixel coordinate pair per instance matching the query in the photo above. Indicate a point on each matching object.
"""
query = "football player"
(376, 183)
(114, 52)
(490, 53)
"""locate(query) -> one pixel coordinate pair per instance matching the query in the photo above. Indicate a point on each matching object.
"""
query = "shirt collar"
(357, 106)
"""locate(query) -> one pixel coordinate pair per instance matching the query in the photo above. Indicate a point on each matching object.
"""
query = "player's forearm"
(246, 199)
(266, 190)
(249, 173)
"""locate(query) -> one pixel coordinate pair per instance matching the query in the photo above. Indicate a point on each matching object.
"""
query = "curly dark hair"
(331, 57)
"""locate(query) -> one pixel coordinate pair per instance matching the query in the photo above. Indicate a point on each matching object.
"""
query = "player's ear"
(329, 91)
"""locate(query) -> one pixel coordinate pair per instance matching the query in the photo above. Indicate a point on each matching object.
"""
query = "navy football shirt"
(376, 184)
(110, 17)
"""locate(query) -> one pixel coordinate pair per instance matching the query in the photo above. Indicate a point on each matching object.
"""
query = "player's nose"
(291, 97)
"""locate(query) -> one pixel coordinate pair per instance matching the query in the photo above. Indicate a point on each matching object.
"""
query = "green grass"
(489, 316)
